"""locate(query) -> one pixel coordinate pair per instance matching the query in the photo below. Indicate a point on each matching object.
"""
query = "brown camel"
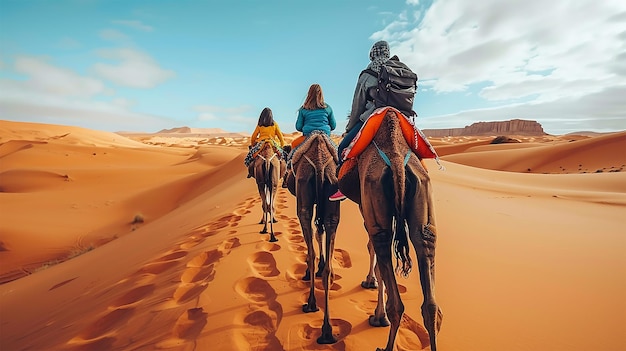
(268, 169)
(393, 191)
(314, 167)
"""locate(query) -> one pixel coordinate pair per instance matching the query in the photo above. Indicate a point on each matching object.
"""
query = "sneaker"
(338, 196)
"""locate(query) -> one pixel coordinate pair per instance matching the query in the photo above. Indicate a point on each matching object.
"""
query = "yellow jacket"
(265, 133)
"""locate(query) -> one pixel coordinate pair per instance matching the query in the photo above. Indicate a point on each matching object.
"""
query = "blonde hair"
(314, 98)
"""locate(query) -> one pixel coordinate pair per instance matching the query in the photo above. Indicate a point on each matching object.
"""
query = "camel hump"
(321, 139)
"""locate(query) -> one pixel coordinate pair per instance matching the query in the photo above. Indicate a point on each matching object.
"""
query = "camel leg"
(271, 216)
(273, 204)
(318, 237)
(424, 239)
(305, 217)
(327, 336)
(379, 319)
(370, 280)
(431, 312)
(263, 207)
(382, 245)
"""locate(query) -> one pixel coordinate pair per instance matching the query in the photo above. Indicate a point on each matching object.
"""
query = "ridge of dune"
(11, 131)
(181, 264)
(189, 130)
(589, 155)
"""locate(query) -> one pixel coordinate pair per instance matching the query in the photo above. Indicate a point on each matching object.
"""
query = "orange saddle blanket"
(414, 137)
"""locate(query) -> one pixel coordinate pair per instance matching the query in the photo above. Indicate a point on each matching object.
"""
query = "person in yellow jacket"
(266, 130)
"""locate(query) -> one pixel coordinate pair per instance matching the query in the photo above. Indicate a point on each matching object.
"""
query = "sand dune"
(110, 242)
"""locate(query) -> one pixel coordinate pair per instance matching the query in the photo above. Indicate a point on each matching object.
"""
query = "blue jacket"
(321, 119)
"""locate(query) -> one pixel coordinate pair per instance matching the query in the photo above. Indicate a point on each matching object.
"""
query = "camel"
(313, 180)
(393, 191)
(268, 169)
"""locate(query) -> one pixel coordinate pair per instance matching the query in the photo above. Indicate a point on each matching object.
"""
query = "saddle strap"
(386, 158)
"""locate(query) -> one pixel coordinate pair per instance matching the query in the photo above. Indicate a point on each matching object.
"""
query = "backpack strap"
(370, 71)
(372, 90)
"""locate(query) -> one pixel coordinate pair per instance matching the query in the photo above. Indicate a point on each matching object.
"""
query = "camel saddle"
(302, 148)
(348, 173)
(272, 143)
(413, 136)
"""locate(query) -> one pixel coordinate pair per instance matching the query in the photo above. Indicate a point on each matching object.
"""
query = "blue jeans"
(347, 140)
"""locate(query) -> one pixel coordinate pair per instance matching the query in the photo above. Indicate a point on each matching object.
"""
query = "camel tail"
(401, 238)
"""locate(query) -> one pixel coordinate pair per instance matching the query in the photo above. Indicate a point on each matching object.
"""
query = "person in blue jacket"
(315, 113)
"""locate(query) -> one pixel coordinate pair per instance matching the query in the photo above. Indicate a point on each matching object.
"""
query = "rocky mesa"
(511, 127)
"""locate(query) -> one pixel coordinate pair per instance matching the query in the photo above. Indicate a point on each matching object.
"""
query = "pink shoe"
(338, 196)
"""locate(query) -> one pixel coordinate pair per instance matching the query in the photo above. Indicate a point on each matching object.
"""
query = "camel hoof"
(369, 284)
(326, 339)
(307, 276)
(379, 322)
(273, 240)
(261, 221)
(263, 232)
(319, 274)
(274, 220)
(308, 308)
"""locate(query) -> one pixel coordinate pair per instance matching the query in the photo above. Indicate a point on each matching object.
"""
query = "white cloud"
(552, 51)
(135, 69)
(46, 78)
(51, 94)
(237, 115)
(113, 35)
(135, 25)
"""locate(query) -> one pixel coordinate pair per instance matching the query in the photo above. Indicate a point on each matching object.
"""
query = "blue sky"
(147, 65)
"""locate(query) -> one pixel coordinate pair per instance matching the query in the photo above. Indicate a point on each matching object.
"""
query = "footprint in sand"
(227, 245)
(205, 258)
(100, 335)
(264, 314)
(367, 306)
(242, 211)
(411, 335)
(260, 326)
(256, 290)
(187, 328)
(295, 238)
(186, 292)
(192, 242)
(133, 297)
(304, 336)
(342, 257)
(198, 274)
(190, 324)
(263, 264)
(268, 246)
(294, 276)
(163, 263)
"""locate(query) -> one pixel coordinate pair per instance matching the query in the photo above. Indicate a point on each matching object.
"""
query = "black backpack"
(397, 86)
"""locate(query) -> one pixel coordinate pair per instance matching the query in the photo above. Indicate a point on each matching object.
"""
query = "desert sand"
(151, 242)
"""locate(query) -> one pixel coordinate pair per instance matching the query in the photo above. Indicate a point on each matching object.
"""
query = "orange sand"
(151, 242)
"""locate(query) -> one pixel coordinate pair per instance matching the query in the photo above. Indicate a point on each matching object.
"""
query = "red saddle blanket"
(414, 137)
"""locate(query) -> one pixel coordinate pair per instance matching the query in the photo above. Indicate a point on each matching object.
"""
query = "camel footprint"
(263, 264)
(262, 318)
(304, 336)
(411, 335)
(187, 328)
